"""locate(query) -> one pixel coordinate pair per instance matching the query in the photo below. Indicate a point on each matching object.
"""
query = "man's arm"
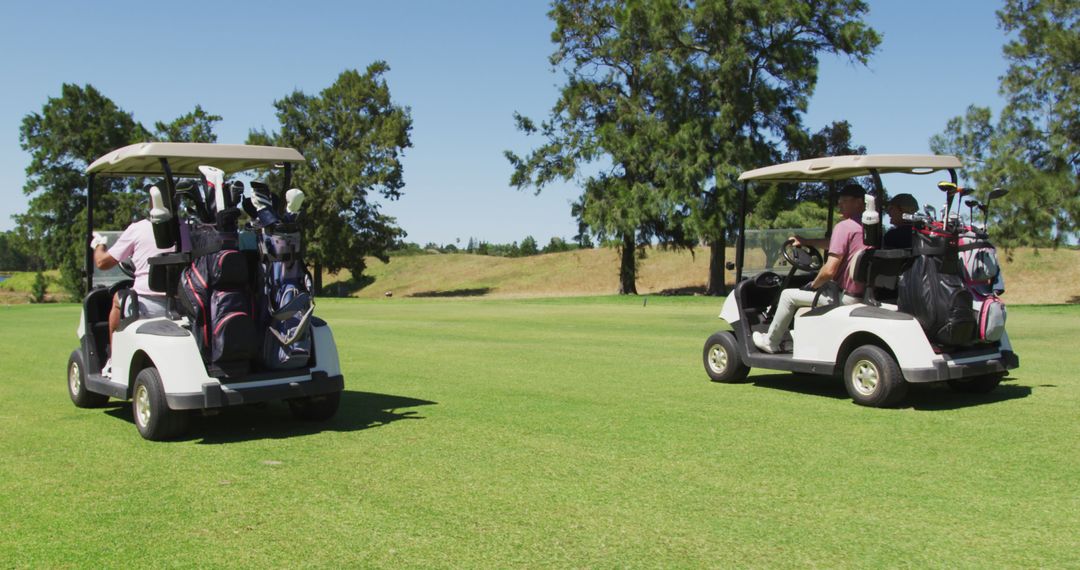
(820, 244)
(102, 259)
(832, 265)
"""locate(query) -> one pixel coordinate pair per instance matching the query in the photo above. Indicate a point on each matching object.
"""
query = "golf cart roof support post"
(89, 232)
(832, 207)
(879, 192)
(740, 243)
(174, 223)
(288, 177)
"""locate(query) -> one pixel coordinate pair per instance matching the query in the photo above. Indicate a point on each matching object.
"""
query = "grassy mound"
(1032, 277)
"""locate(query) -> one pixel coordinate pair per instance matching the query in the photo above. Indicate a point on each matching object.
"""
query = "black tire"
(722, 360)
(873, 378)
(153, 418)
(81, 396)
(977, 385)
(315, 408)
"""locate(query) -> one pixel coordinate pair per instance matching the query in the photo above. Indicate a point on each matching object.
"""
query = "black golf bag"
(932, 289)
(215, 294)
(285, 299)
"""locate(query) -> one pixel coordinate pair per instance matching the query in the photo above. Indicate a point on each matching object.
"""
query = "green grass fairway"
(548, 433)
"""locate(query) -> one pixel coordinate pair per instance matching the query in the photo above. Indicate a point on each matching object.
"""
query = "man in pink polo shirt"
(136, 243)
(846, 241)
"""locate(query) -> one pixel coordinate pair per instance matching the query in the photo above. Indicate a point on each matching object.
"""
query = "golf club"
(950, 190)
(971, 204)
(994, 194)
(189, 189)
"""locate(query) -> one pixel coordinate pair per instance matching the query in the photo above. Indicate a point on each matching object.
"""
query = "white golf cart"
(157, 363)
(877, 348)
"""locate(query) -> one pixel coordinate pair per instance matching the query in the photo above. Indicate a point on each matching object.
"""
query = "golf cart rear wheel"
(153, 418)
(76, 375)
(873, 378)
(722, 360)
(977, 385)
(315, 408)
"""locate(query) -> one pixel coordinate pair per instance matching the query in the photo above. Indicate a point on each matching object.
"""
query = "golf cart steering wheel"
(804, 257)
(127, 267)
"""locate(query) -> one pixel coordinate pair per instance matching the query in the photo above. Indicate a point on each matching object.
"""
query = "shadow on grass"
(924, 397)
(811, 384)
(477, 292)
(348, 287)
(272, 420)
(939, 397)
(682, 291)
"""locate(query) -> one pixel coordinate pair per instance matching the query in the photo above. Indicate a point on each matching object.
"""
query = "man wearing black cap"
(846, 240)
(900, 234)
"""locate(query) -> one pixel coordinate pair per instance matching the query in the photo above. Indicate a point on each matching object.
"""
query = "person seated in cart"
(845, 242)
(900, 235)
(137, 244)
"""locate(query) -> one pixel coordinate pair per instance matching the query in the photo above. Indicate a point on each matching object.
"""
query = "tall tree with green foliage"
(1034, 148)
(353, 136)
(196, 126)
(69, 133)
(749, 69)
(679, 98)
(605, 124)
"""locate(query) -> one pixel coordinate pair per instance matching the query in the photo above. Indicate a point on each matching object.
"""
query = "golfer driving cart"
(238, 324)
(879, 317)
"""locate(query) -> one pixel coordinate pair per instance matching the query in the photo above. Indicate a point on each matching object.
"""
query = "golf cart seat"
(879, 270)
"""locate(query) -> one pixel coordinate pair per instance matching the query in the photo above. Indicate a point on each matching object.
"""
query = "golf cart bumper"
(947, 369)
(214, 395)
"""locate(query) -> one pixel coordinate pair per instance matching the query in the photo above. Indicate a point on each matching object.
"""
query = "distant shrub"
(38, 288)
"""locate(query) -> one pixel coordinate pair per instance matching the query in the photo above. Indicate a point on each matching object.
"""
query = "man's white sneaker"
(761, 340)
(107, 371)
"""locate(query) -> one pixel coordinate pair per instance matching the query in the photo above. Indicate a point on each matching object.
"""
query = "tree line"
(662, 106)
(526, 248)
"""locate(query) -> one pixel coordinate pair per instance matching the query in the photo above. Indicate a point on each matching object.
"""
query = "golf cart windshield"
(108, 277)
(763, 249)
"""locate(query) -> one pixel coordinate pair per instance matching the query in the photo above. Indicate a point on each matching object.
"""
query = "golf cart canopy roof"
(144, 159)
(851, 166)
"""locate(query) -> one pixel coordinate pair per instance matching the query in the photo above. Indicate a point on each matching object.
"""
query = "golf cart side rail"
(851, 166)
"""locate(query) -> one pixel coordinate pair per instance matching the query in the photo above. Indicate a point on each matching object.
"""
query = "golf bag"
(214, 293)
(932, 290)
(982, 271)
(286, 301)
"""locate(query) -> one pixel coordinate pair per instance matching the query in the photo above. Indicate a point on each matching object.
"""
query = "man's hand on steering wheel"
(801, 255)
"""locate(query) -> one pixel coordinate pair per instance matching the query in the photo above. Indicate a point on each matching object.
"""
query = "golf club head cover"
(160, 216)
(215, 180)
(294, 199)
(263, 202)
(236, 193)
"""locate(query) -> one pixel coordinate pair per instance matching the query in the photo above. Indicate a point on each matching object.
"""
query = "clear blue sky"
(463, 68)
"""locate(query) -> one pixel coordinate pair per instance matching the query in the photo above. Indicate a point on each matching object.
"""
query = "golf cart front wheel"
(153, 418)
(315, 408)
(722, 360)
(76, 376)
(873, 378)
(977, 385)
